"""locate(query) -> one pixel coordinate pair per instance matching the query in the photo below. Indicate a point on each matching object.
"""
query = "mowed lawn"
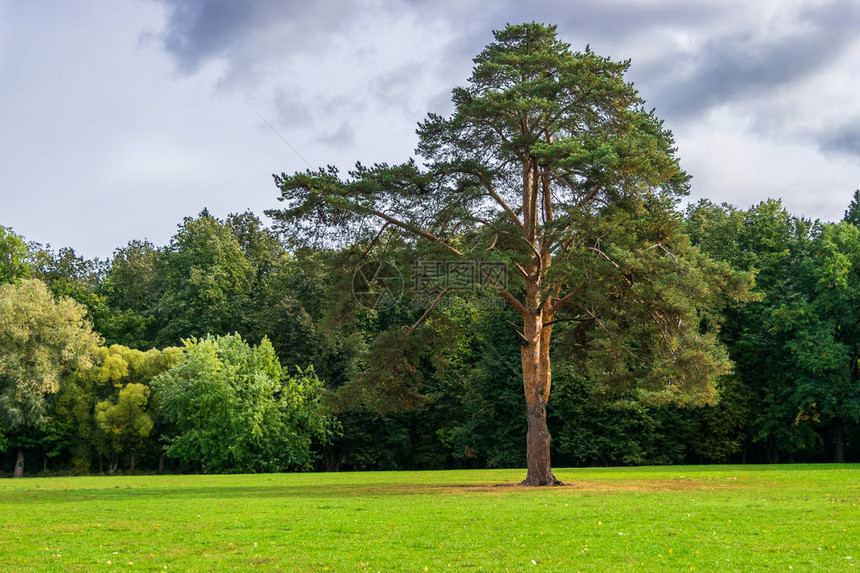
(704, 518)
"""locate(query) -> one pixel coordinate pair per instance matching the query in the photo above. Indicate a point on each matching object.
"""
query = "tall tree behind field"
(126, 422)
(215, 276)
(71, 275)
(549, 164)
(229, 407)
(823, 342)
(206, 279)
(114, 368)
(796, 347)
(132, 288)
(41, 340)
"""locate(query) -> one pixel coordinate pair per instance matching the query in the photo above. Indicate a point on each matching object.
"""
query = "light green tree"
(125, 422)
(114, 368)
(13, 257)
(41, 340)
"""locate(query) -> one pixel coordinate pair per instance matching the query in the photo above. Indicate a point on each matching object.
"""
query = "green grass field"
(706, 518)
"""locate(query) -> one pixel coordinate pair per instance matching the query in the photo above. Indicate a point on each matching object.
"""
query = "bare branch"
(427, 312)
(605, 256)
(522, 270)
(560, 302)
(375, 239)
(412, 229)
(512, 300)
(518, 331)
(532, 247)
(504, 205)
(571, 319)
(591, 195)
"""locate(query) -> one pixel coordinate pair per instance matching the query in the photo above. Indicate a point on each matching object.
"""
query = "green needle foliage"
(550, 164)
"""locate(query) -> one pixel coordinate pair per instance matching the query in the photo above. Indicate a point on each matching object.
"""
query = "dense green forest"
(393, 318)
(355, 392)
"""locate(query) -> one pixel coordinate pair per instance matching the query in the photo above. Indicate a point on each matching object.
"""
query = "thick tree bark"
(536, 330)
(536, 385)
(19, 464)
(114, 463)
(161, 464)
(131, 464)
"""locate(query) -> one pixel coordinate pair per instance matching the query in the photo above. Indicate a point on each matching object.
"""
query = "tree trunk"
(114, 463)
(332, 460)
(19, 464)
(101, 464)
(131, 464)
(161, 464)
(536, 385)
(838, 441)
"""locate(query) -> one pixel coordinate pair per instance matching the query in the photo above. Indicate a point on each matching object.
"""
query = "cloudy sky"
(118, 118)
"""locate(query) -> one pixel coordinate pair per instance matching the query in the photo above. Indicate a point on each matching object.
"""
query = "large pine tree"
(551, 164)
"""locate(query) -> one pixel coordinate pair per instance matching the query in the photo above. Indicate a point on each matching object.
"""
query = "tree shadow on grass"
(325, 491)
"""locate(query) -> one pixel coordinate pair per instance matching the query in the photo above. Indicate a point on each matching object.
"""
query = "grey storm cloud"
(735, 58)
(747, 64)
(341, 138)
(733, 65)
(198, 30)
(201, 29)
(845, 139)
(341, 80)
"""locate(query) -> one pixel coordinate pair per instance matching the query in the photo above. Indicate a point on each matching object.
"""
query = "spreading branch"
(511, 299)
(411, 228)
(557, 303)
(409, 330)
(504, 205)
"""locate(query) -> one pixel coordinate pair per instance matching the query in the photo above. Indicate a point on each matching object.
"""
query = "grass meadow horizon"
(662, 518)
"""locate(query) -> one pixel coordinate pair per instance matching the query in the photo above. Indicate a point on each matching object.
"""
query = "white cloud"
(732, 163)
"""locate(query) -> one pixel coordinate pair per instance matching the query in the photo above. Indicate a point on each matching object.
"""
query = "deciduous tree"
(41, 339)
(13, 257)
(230, 407)
(126, 422)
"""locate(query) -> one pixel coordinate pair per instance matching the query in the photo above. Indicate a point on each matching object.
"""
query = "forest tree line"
(230, 350)
(394, 315)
